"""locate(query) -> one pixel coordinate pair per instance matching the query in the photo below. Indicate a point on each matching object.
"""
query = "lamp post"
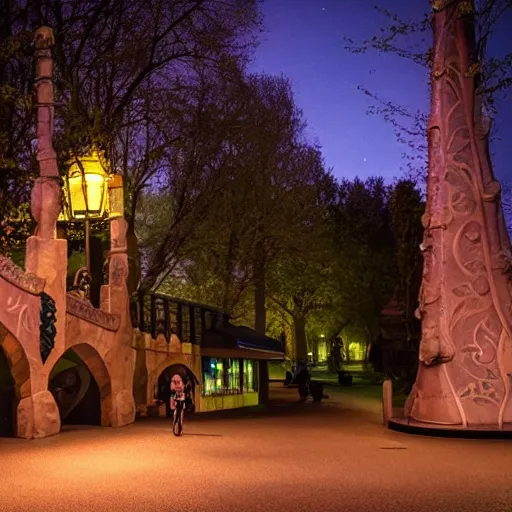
(92, 193)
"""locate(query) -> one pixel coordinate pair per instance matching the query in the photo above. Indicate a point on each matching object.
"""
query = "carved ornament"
(83, 309)
(13, 274)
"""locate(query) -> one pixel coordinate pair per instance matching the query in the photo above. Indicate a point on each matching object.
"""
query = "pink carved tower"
(464, 377)
(46, 194)
(46, 256)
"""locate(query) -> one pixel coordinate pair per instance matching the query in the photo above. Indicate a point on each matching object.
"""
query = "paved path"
(333, 456)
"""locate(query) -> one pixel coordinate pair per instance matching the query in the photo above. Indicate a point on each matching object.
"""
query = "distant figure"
(336, 358)
(302, 379)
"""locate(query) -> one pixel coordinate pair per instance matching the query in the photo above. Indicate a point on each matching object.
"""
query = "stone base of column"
(38, 416)
(124, 409)
(409, 426)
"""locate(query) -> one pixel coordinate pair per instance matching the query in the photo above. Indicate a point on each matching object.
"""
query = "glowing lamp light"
(92, 193)
(86, 187)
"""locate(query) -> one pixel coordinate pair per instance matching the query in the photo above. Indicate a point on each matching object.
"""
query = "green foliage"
(15, 227)
(227, 201)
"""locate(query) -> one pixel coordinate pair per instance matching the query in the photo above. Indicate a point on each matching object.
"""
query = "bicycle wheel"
(176, 425)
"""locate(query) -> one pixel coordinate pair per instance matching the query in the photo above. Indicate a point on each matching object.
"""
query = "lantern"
(86, 187)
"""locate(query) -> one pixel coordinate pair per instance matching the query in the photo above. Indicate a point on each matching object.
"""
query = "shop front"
(227, 363)
(234, 367)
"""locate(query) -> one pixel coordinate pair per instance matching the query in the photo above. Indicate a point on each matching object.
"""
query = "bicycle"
(177, 424)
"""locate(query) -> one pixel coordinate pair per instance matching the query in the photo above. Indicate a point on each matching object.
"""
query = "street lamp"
(92, 193)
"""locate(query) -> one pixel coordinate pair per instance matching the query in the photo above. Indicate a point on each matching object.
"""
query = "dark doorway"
(164, 383)
(7, 398)
(76, 391)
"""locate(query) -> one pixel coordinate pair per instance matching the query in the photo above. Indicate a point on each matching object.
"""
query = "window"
(185, 324)
(233, 375)
(173, 317)
(250, 376)
(221, 376)
(198, 318)
(213, 370)
(208, 320)
(160, 324)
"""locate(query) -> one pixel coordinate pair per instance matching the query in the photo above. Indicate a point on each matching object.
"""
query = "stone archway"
(14, 382)
(8, 400)
(81, 385)
(164, 379)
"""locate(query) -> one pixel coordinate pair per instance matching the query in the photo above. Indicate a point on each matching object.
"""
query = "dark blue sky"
(304, 40)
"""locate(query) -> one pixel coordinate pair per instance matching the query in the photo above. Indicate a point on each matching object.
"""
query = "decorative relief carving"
(13, 274)
(465, 296)
(86, 311)
(118, 270)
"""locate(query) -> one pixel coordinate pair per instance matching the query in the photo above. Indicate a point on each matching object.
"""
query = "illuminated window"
(233, 376)
(221, 376)
(213, 376)
(250, 376)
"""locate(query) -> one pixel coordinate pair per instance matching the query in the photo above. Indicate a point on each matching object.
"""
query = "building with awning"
(228, 362)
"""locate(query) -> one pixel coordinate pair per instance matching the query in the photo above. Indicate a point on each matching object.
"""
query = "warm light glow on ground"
(335, 456)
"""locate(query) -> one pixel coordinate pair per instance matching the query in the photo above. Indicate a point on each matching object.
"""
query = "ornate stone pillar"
(115, 299)
(46, 256)
(46, 194)
(465, 369)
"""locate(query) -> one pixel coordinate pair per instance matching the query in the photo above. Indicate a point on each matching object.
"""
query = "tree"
(406, 209)
(411, 39)
(301, 286)
(265, 206)
(123, 71)
(365, 267)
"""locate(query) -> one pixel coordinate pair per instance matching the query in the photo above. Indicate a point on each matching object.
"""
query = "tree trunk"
(228, 272)
(97, 261)
(299, 329)
(369, 341)
(133, 258)
(260, 311)
(260, 318)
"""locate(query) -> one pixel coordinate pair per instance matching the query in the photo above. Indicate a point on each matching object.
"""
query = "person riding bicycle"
(178, 396)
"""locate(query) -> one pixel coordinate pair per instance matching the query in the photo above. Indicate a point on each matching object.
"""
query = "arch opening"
(80, 384)
(8, 401)
(14, 381)
(163, 391)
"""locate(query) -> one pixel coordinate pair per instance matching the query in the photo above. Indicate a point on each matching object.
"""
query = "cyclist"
(178, 398)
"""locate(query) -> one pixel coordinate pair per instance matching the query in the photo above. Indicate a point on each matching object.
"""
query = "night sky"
(304, 41)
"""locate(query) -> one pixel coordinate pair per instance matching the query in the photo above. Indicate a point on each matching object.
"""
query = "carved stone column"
(115, 299)
(46, 256)
(47, 192)
(464, 376)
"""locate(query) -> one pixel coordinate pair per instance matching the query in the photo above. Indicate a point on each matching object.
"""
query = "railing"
(161, 314)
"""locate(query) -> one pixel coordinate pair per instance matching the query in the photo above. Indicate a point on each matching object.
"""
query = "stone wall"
(153, 357)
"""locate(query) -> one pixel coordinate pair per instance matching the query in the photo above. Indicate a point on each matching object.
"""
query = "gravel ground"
(333, 456)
